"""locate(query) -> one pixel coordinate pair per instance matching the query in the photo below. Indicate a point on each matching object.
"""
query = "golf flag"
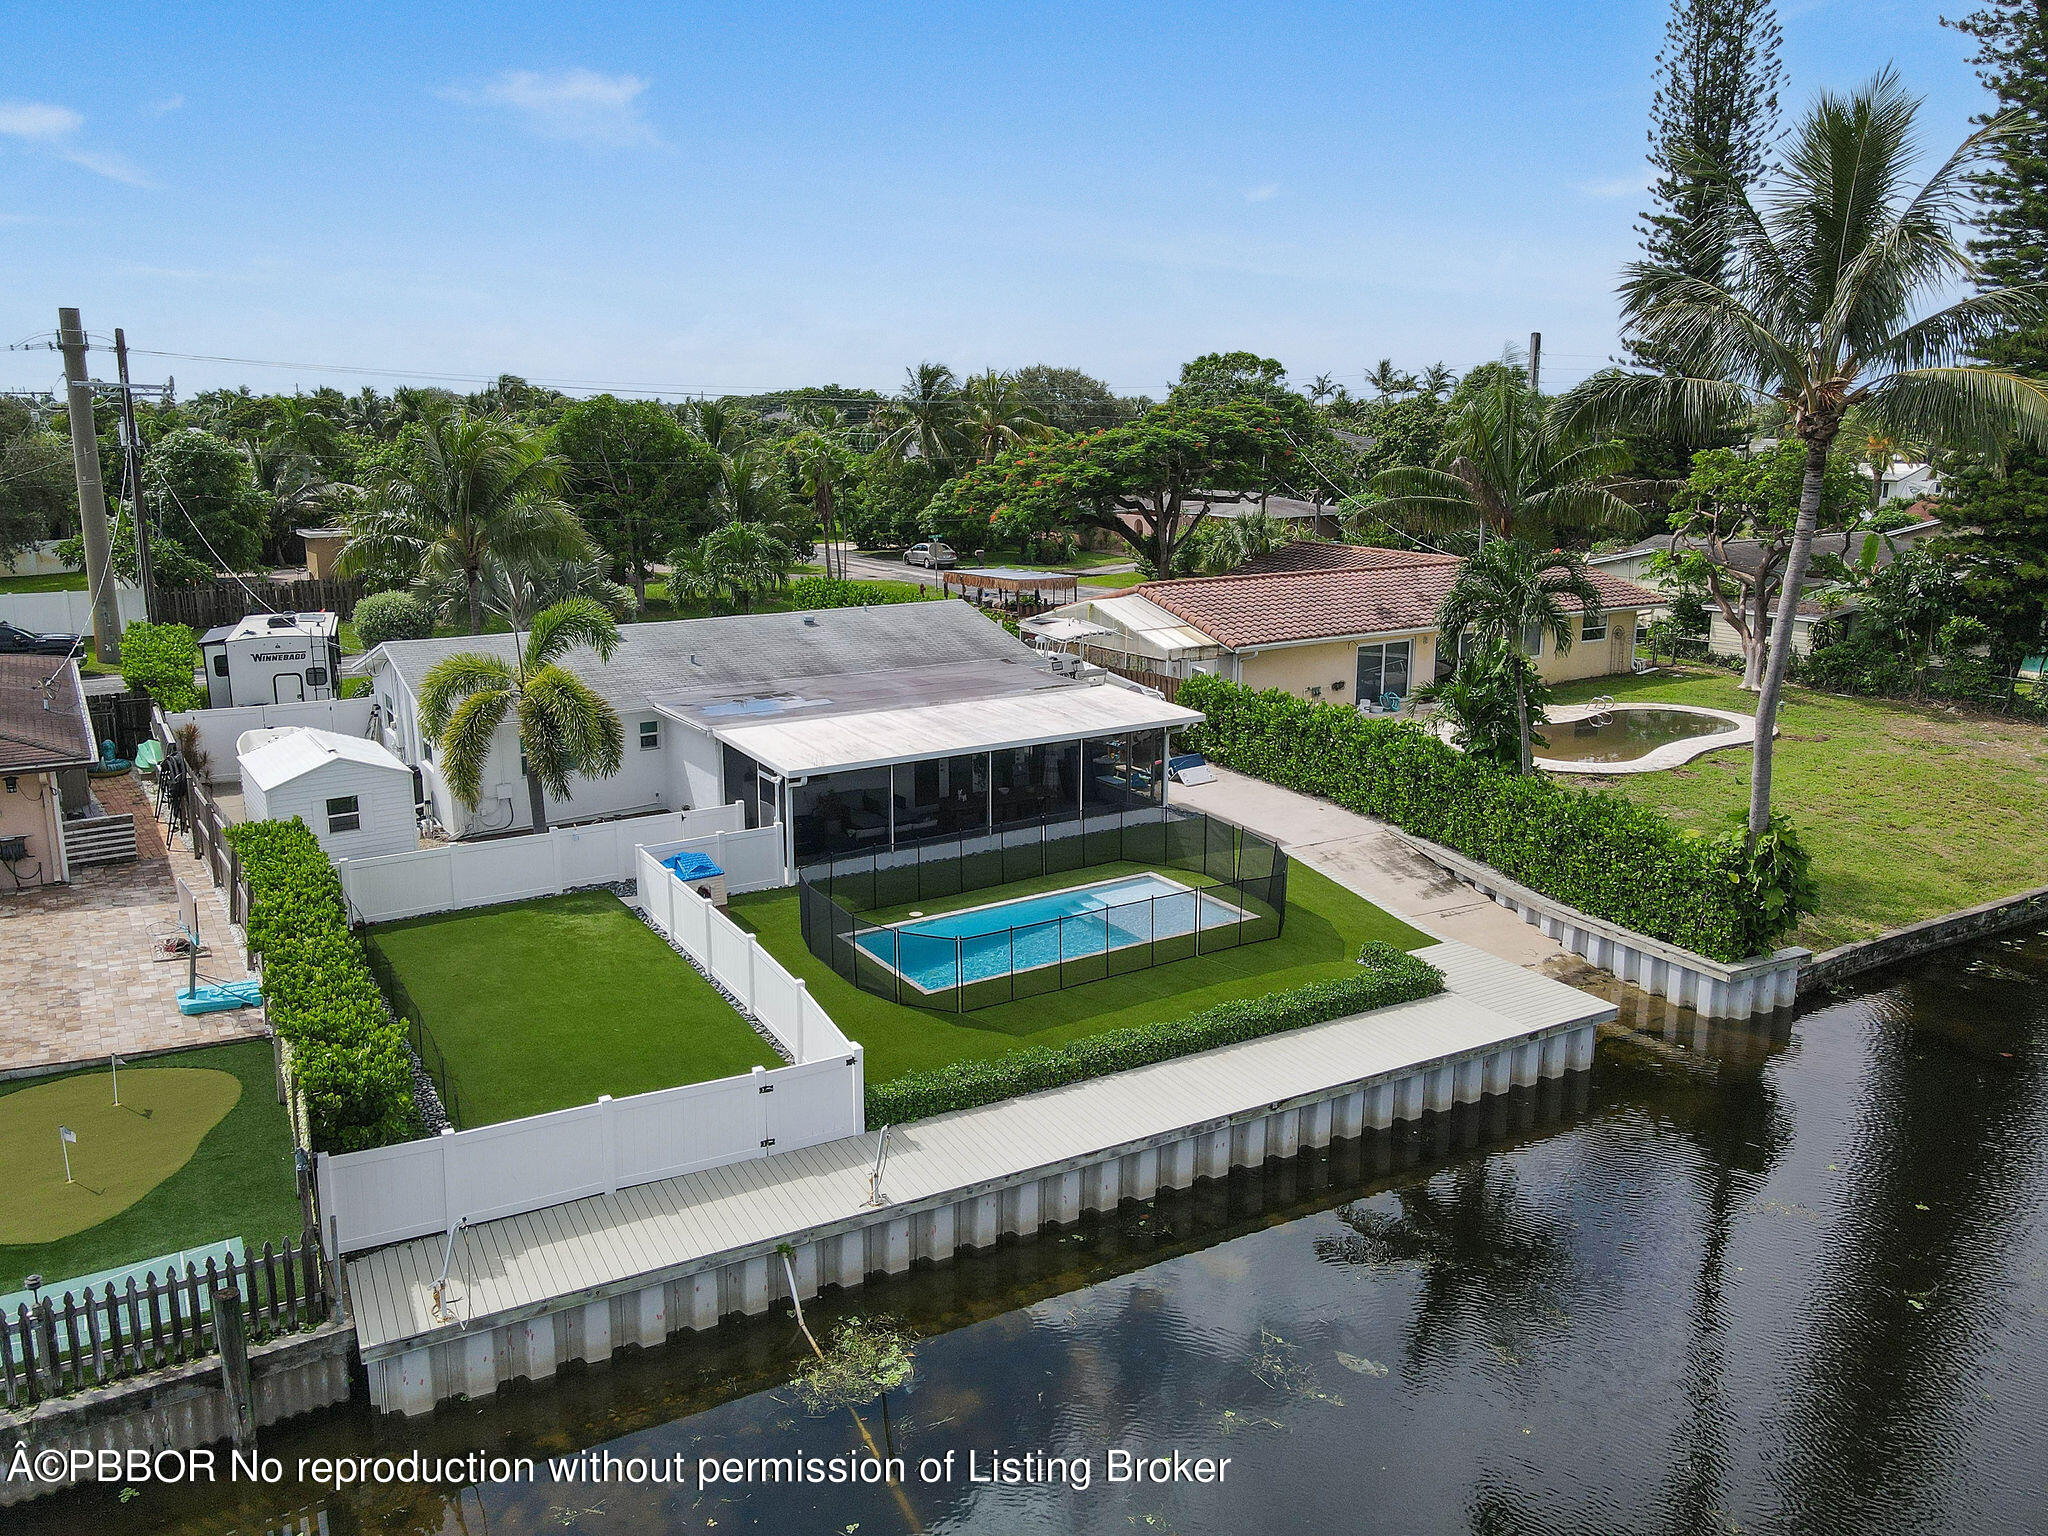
(65, 1138)
(67, 1133)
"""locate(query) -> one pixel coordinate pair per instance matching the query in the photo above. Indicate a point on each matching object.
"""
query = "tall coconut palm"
(716, 423)
(1830, 262)
(1436, 381)
(995, 415)
(479, 486)
(1387, 381)
(564, 727)
(926, 420)
(1510, 590)
(1506, 467)
(823, 463)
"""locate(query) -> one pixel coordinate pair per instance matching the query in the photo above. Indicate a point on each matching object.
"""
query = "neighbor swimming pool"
(982, 943)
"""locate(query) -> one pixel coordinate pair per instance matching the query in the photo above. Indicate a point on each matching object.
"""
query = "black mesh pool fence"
(860, 914)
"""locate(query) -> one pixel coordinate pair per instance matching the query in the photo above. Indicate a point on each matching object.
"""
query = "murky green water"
(1784, 1278)
(1625, 735)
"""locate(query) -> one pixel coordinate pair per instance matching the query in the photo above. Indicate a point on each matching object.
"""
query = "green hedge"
(348, 1052)
(161, 660)
(1597, 852)
(831, 592)
(1389, 975)
(386, 616)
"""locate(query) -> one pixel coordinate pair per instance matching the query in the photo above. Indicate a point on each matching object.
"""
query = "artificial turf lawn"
(123, 1150)
(1325, 926)
(547, 1004)
(1908, 810)
(239, 1183)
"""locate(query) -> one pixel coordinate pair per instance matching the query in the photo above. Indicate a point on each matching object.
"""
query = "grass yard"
(1909, 811)
(1325, 926)
(49, 581)
(198, 1151)
(547, 1004)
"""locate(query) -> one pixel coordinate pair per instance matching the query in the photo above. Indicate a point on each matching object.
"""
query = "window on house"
(650, 735)
(1532, 640)
(1591, 628)
(344, 814)
(1383, 669)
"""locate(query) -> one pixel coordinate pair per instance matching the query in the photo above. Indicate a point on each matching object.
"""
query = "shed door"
(288, 687)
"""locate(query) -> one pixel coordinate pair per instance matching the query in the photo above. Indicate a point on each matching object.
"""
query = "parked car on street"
(933, 556)
(16, 641)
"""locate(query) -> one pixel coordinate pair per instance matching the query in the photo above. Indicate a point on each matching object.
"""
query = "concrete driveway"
(1365, 856)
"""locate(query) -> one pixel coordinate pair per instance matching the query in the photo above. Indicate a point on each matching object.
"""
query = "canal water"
(1783, 1277)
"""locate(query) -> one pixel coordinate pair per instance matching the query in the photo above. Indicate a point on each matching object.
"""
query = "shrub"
(1597, 852)
(832, 592)
(1388, 976)
(392, 616)
(348, 1051)
(160, 660)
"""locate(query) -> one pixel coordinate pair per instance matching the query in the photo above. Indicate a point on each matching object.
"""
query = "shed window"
(650, 735)
(344, 814)
(1591, 628)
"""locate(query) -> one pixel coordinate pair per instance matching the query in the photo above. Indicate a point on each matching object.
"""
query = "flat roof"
(840, 693)
(826, 743)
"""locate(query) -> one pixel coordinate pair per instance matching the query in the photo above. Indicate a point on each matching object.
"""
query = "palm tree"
(1233, 541)
(927, 419)
(739, 562)
(1828, 265)
(1506, 467)
(564, 726)
(480, 486)
(298, 489)
(1388, 381)
(995, 415)
(1437, 381)
(1510, 590)
(724, 429)
(823, 463)
(516, 593)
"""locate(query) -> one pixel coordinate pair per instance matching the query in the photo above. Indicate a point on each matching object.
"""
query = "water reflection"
(1788, 1275)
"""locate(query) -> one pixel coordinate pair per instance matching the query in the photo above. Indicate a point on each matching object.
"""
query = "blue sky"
(737, 198)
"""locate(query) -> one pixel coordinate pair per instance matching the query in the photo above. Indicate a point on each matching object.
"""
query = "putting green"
(122, 1152)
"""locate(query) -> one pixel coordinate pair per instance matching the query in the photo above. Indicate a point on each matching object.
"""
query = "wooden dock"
(528, 1293)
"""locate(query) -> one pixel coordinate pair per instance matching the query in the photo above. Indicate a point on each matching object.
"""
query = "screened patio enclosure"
(876, 780)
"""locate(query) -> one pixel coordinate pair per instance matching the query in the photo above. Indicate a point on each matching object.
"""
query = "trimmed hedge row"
(348, 1052)
(831, 592)
(1597, 852)
(1389, 976)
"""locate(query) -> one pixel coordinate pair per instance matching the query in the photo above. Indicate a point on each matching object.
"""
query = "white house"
(354, 793)
(854, 728)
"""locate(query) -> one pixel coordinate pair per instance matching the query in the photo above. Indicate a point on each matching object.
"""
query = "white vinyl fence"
(782, 1002)
(481, 874)
(68, 612)
(220, 729)
(388, 1194)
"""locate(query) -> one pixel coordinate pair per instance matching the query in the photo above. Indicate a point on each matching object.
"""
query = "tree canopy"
(637, 479)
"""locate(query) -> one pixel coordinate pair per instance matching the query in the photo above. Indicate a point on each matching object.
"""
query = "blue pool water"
(986, 942)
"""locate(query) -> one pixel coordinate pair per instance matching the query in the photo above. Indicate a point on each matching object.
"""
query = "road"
(861, 567)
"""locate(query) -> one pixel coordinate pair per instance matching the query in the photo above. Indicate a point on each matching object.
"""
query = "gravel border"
(738, 1007)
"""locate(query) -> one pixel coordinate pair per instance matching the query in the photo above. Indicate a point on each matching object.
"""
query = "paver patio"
(78, 965)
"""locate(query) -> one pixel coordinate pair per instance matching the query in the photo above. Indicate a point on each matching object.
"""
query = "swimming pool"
(982, 943)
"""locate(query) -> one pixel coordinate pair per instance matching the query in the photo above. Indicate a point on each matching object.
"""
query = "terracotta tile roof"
(32, 736)
(1330, 595)
(1321, 555)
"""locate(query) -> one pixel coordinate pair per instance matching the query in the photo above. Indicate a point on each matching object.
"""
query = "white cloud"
(1264, 194)
(578, 105)
(39, 120)
(51, 126)
(1614, 186)
(169, 103)
(114, 167)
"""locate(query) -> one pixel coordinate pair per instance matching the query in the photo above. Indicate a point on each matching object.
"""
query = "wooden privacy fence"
(229, 602)
(123, 718)
(81, 1341)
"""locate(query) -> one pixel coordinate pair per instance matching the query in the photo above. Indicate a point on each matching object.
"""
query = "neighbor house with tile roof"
(46, 748)
(1341, 622)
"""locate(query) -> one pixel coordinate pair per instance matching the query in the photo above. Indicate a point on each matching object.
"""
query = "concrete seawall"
(1916, 939)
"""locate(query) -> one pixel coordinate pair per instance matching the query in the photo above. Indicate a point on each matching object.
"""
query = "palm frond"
(565, 728)
(1981, 409)
(455, 678)
(561, 628)
(466, 738)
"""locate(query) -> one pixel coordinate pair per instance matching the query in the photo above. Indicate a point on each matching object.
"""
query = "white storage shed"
(355, 794)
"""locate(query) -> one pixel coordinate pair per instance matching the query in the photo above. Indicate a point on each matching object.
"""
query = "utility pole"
(92, 496)
(1535, 362)
(145, 574)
